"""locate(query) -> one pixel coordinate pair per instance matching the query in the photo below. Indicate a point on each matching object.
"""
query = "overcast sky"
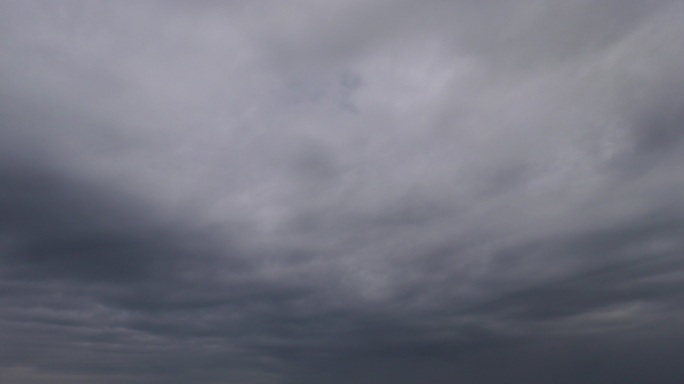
(341, 191)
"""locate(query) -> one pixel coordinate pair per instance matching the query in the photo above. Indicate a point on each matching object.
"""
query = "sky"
(341, 191)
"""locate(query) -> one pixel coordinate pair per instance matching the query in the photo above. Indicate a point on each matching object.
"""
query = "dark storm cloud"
(344, 191)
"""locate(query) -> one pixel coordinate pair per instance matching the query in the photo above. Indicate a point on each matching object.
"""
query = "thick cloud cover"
(341, 191)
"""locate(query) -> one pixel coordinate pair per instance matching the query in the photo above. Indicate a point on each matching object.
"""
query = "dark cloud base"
(328, 217)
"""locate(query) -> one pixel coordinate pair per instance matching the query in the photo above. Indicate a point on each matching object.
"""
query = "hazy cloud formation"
(346, 191)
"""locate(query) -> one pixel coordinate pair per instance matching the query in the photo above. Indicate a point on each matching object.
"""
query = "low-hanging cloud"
(270, 192)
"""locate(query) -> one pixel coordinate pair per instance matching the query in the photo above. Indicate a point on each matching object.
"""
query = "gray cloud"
(262, 192)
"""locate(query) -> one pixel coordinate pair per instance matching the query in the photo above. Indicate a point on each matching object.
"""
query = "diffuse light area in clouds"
(307, 192)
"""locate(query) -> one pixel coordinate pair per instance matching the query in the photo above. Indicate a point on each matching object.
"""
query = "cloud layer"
(307, 192)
